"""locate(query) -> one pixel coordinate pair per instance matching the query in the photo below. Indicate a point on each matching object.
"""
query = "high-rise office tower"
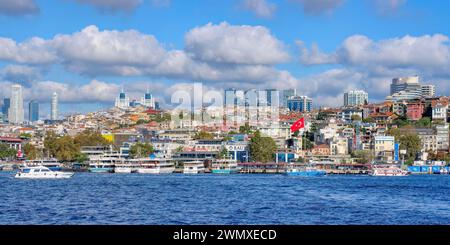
(54, 107)
(428, 90)
(5, 109)
(16, 112)
(285, 95)
(406, 88)
(33, 111)
(300, 103)
(355, 97)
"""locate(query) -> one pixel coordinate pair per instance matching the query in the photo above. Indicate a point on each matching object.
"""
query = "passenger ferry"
(224, 166)
(125, 167)
(193, 167)
(153, 165)
(104, 164)
(388, 170)
(41, 172)
(50, 163)
(305, 171)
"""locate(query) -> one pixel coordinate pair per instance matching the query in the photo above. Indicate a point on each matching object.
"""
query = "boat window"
(26, 170)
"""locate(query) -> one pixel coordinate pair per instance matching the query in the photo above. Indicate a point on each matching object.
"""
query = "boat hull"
(224, 171)
(101, 170)
(123, 170)
(58, 175)
(307, 173)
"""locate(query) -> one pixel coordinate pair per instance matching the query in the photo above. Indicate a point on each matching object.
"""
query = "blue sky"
(361, 44)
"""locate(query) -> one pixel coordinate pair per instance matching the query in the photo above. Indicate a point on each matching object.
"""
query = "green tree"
(245, 129)
(203, 135)
(409, 141)
(140, 150)
(307, 143)
(356, 118)
(424, 122)
(50, 144)
(81, 158)
(368, 120)
(31, 152)
(66, 149)
(223, 153)
(262, 149)
(90, 138)
(6, 152)
(363, 156)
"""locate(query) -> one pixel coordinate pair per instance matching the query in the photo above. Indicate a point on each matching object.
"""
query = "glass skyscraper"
(300, 104)
(33, 111)
(355, 98)
(54, 107)
(16, 112)
(5, 109)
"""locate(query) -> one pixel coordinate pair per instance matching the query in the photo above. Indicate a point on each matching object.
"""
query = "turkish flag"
(298, 125)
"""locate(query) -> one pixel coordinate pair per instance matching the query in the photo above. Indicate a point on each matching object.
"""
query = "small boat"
(305, 171)
(154, 166)
(224, 166)
(51, 163)
(388, 170)
(41, 172)
(193, 167)
(444, 171)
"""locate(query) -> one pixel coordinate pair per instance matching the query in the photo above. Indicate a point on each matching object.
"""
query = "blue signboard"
(396, 152)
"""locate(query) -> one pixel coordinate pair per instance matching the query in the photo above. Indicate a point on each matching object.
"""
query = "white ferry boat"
(224, 166)
(125, 167)
(154, 166)
(41, 172)
(50, 163)
(193, 167)
(105, 163)
(388, 170)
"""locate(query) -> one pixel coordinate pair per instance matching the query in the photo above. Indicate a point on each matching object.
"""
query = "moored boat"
(224, 166)
(388, 170)
(154, 166)
(305, 171)
(50, 163)
(193, 167)
(41, 172)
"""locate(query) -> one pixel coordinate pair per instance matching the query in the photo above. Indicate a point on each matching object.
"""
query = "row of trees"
(65, 148)
(6, 152)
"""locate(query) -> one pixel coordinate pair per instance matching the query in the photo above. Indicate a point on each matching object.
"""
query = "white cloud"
(33, 51)
(225, 43)
(19, 74)
(90, 50)
(18, 7)
(428, 54)
(317, 7)
(113, 5)
(261, 8)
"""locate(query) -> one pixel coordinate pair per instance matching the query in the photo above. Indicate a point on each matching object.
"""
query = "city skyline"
(322, 65)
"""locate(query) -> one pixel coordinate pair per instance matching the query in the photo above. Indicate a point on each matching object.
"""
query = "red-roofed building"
(11, 142)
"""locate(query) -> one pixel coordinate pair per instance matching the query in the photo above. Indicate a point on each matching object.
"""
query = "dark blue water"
(232, 199)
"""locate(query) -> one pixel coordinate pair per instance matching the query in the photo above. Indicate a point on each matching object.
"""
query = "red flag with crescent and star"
(298, 125)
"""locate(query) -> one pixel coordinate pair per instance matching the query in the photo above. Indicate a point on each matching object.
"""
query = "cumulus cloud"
(428, 53)
(18, 7)
(33, 51)
(261, 8)
(107, 50)
(317, 7)
(19, 74)
(113, 5)
(225, 43)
